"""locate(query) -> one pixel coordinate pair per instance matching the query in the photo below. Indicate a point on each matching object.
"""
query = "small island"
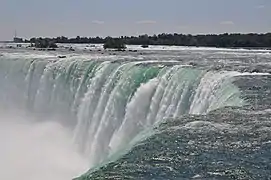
(44, 43)
(112, 43)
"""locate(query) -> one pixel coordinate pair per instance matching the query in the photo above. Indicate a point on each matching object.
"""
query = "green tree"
(45, 43)
(112, 43)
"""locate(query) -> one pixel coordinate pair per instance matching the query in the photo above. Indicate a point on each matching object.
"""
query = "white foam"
(31, 150)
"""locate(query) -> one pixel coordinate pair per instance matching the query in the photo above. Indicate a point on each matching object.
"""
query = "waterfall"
(107, 104)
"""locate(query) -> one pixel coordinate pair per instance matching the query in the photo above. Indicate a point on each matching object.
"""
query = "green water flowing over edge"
(63, 84)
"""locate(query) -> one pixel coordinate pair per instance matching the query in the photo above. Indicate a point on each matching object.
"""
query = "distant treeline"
(222, 40)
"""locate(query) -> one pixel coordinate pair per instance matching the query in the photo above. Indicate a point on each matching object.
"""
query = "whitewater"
(63, 117)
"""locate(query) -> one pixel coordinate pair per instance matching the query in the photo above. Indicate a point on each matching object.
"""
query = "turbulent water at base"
(108, 106)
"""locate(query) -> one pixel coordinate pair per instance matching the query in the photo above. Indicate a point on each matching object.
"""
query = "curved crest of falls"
(108, 104)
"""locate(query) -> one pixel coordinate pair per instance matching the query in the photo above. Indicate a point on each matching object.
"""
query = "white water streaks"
(106, 105)
(214, 89)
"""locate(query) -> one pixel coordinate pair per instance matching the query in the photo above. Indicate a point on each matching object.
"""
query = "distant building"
(16, 39)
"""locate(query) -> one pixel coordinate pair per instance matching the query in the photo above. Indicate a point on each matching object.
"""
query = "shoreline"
(95, 47)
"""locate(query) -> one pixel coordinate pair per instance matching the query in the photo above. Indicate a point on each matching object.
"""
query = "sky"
(51, 18)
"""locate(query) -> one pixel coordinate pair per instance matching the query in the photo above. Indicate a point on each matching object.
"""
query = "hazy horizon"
(102, 18)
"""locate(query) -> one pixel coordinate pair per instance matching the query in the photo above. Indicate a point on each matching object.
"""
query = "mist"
(37, 150)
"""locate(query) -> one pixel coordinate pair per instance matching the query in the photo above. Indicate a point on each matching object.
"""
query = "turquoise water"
(110, 107)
